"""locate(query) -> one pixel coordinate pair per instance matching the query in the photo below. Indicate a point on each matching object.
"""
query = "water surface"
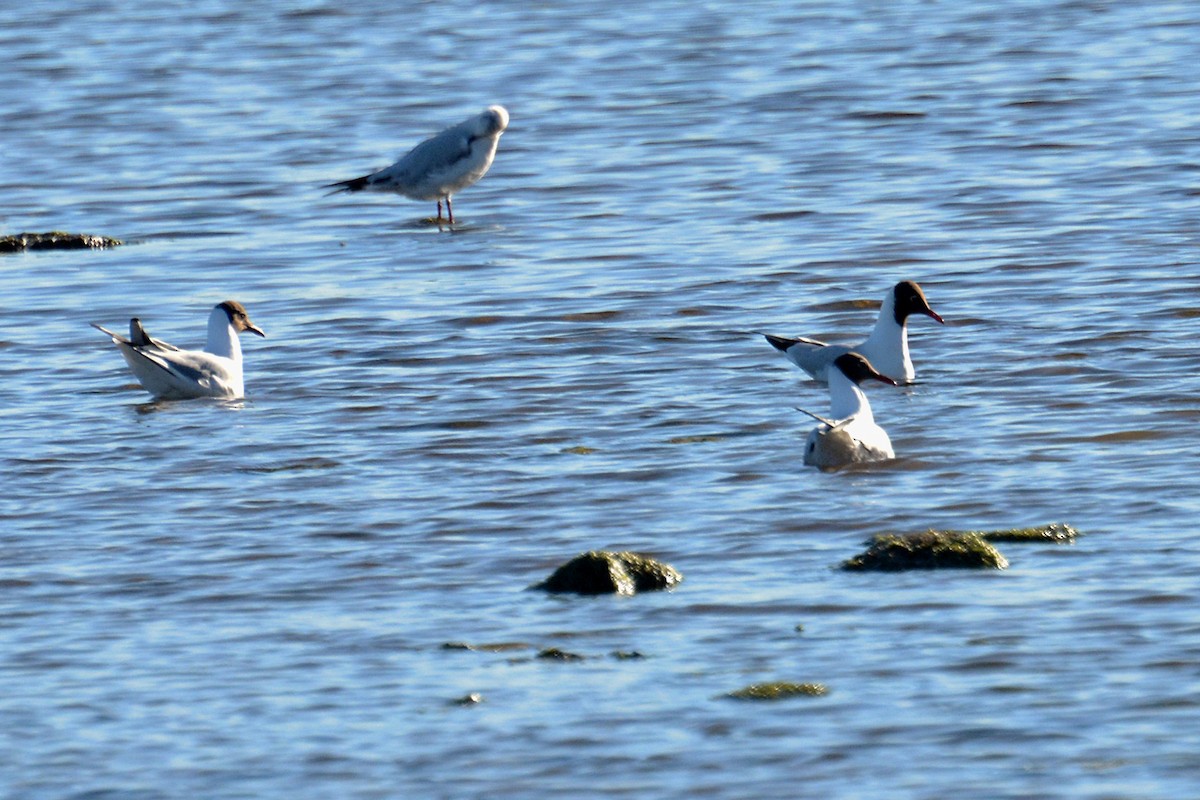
(251, 600)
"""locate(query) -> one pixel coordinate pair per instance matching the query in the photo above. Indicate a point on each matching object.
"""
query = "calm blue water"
(251, 600)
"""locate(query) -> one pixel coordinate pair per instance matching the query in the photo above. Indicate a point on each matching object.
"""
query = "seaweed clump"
(778, 690)
(55, 240)
(496, 647)
(607, 572)
(929, 550)
(1054, 533)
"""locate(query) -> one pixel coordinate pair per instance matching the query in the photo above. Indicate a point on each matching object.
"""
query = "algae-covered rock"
(778, 690)
(1054, 533)
(929, 550)
(704, 438)
(606, 572)
(55, 240)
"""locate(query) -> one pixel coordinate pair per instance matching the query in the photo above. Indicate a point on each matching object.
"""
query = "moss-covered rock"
(55, 240)
(1054, 533)
(607, 572)
(929, 550)
(779, 690)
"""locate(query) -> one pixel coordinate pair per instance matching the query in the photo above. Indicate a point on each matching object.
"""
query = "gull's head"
(857, 369)
(907, 298)
(239, 318)
(493, 121)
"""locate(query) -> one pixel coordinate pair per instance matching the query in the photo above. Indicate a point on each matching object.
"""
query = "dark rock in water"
(554, 654)
(472, 699)
(606, 572)
(779, 690)
(55, 240)
(1054, 533)
(929, 550)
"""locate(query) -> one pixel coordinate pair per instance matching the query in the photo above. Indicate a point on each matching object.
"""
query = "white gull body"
(442, 164)
(850, 434)
(170, 373)
(886, 347)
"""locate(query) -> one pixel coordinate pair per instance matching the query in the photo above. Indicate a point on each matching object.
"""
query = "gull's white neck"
(846, 399)
(222, 338)
(887, 346)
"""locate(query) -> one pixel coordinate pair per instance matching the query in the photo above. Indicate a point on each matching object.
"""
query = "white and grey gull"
(886, 347)
(442, 164)
(849, 435)
(170, 373)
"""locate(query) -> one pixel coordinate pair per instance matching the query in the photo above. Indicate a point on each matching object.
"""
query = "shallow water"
(252, 599)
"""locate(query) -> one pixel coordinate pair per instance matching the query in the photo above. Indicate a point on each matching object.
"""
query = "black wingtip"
(352, 185)
(778, 342)
(137, 334)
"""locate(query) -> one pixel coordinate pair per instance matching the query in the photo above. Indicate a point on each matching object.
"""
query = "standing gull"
(886, 347)
(441, 165)
(169, 373)
(850, 434)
